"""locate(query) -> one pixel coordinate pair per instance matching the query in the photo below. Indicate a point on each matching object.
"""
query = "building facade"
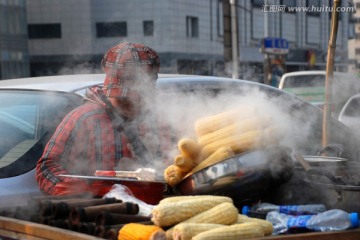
(354, 44)
(304, 24)
(72, 36)
(68, 36)
(14, 54)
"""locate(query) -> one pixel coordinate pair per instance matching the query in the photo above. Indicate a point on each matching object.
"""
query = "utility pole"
(330, 74)
(234, 40)
(266, 55)
(231, 55)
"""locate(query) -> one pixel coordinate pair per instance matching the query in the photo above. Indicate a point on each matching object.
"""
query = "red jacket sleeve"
(49, 165)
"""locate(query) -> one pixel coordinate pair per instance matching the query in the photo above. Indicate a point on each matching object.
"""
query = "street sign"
(271, 45)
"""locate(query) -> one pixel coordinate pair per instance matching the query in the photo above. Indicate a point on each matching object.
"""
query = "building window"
(257, 3)
(190, 66)
(148, 28)
(357, 5)
(289, 5)
(220, 18)
(314, 8)
(357, 51)
(111, 29)
(192, 27)
(41, 31)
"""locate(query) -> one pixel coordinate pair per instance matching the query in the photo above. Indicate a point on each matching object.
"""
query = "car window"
(305, 81)
(25, 118)
(353, 108)
(22, 118)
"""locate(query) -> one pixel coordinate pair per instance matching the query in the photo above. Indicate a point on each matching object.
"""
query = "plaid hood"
(129, 68)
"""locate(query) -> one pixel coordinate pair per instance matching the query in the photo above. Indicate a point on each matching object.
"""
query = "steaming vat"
(332, 181)
(246, 177)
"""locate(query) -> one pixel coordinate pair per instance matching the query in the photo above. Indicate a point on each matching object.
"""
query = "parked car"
(350, 114)
(310, 86)
(31, 108)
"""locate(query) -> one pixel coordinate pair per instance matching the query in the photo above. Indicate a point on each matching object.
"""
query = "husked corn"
(233, 232)
(184, 163)
(185, 231)
(238, 144)
(248, 124)
(189, 148)
(171, 213)
(224, 213)
(214, 122)
(219, 155)
(173, 175)
(189, 197)
(266, 225)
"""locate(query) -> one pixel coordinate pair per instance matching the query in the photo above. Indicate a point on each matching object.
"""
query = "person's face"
(129, 109)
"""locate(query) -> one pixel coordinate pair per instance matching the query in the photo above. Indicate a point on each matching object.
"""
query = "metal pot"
(245, 177)
(332, 181)
(330, 155)
(345, 197)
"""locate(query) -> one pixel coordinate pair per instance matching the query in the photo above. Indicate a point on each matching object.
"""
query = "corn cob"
(239, 143)
(184, 163)
(185, 231)
(266, 225)
(184, 198)
(173, 175)
(219, 155)
(189, 148)
(225, 213)
(136, 231)
(233, 232)
(248, 124)
(168, 214)
(212, 123)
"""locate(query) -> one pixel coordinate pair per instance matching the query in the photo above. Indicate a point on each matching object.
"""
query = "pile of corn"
(206, 217)
(219, 137)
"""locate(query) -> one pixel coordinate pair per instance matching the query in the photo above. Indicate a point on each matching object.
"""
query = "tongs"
(144, 174)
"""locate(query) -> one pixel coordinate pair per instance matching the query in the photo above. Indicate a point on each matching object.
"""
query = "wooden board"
(11, 228)
(353, 234)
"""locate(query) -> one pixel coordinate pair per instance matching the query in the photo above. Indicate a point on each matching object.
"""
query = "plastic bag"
(123, 193)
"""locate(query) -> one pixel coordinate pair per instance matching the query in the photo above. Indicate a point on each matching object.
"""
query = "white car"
(31, 108)
(350, 114)
(310, 86)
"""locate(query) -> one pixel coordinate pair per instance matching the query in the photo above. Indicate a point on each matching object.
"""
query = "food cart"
(14, 225)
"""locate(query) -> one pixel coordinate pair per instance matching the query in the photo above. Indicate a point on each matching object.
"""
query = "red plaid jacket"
(83, 142)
